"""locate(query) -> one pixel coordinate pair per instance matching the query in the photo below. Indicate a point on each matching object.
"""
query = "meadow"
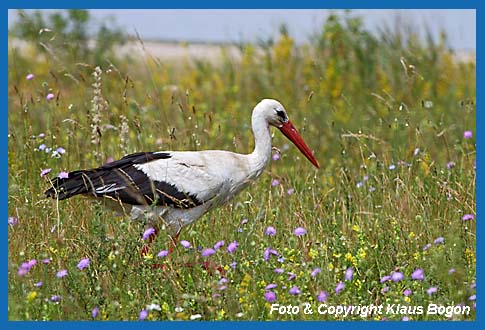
(388, 219)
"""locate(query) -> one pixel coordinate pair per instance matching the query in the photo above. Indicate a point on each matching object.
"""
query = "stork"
(177, 187)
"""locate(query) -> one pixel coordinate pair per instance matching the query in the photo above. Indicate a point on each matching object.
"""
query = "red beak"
(290, 132)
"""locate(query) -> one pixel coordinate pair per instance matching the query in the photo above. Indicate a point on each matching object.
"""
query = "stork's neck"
(261, 155)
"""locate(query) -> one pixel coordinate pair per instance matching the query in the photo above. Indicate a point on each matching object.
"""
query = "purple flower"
(450, 165)
(385, 278)
(149, 232)
(392, 167)
(405, 318)
(218, 245)
(432, 290)
(30, 76)
(95, 312)
(46, 261)
(233, 265)
(290, 191)
(407, 292)
(38, 284)
(291, 276)
(44, 172)
(472, 297)
(418, 274)
(270, 286)
(294, 291)
(427, 246)
(63, 175)
(243, 221)
(385, 289)
(276, 156)
(208, 252)
(340, 286)
(275, 182)
(359, 184)
(278, 270)
(50, 96)
(451, 271)
(315, 272)
(467, 134)
(83, 263)
(13, 221)
(185, 244)
(322, 296)
(268, 252)
(467, 217)
(299, 231)
(349, 274)
(143, 315)
(397, 276)
(26, 266)
(270, 231)
(42, 147)
(439, 240)
(61, 150)
(61, 273)
(270, 296)
(473, 286)
(232, 247)
(56, 298)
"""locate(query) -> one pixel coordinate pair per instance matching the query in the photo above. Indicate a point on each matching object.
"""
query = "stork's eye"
(281, 114)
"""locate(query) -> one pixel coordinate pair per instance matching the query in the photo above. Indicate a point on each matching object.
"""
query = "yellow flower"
(313, 253)
(412, 235)
(407, 299)
(356, 228)
(31, 296)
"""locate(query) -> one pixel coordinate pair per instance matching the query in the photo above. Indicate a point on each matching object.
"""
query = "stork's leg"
(173, 242)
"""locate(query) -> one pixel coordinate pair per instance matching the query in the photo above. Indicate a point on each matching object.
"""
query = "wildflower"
(243, 221)
(56, 298)
(233, 265)
(359, 184)
(432, 290)
(50, 96)
(385, 278)
(195, 317)
(46, 261)
(275, 182)
(405, 318)
(149, 232)
(268, 252)
(270, 231)
(276, 156)
(416, 152)
(322, 296)
(467, 134)
(451, 271)
(185, 244)
(385, 289)
(61, 273)
(315, 272)
(44, 172)
(418, 274)
(294, 291)
(95, 312)
(278, 270)
(407, 292)
(38, 284)
(61, 150)
(143, 315)
(392, 167)
(83, 263)
(371, 189)
(291, 276)
(426, 247)
(42, 147)
(208, 252)
(473, 286)
(270, 286)
(467, 217)
(26, 266)
(340, 286)
(439, 240)
(300, 231)
(290, 191)
(218, 245)
(472, 297)
(13, 221)
(63, 175)
(397, 276)
(270, 296)
(232, 247)
(450, 165)
(30, 76)
(349, 274)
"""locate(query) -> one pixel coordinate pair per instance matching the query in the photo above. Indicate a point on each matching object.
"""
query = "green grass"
(384, 117)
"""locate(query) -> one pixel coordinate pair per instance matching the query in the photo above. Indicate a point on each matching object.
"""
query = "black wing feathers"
(122, 181)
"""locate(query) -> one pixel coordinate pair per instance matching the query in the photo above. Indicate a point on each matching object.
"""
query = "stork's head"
(275, 115)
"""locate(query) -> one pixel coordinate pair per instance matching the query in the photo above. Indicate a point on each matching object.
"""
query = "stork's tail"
(77, 182)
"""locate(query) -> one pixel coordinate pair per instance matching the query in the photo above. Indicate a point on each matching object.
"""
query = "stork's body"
(179, 187)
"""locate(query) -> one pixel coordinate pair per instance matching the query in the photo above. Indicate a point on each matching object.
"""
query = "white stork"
(178, 187)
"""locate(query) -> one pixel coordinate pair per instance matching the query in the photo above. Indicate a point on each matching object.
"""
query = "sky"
(251, 25)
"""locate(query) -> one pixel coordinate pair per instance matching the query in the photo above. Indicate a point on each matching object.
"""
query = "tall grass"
(386, 116)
